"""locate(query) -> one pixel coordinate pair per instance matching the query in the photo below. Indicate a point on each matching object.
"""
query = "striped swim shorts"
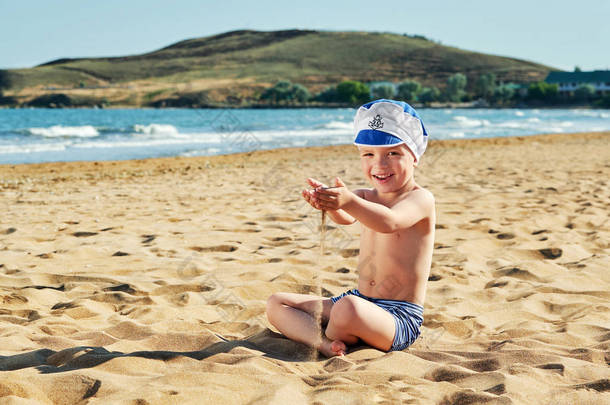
(408, 317)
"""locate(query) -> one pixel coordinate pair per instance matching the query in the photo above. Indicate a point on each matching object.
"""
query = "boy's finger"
(327, 205)
(323, 197)
(314, 183)
(327, 191)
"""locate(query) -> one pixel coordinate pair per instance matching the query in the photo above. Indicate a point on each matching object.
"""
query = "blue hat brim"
(373, 137)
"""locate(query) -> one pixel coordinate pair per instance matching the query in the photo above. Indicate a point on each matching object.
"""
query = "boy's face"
(387, 168)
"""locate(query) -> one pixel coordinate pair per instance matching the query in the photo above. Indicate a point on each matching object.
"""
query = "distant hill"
(236, 66)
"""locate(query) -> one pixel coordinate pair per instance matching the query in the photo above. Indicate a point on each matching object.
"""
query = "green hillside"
(237, 65)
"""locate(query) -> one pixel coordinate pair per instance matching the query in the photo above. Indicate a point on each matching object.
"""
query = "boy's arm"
(378, 217)
(338, 216)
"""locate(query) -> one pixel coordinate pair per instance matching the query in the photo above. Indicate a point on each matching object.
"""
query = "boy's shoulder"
(420, 197)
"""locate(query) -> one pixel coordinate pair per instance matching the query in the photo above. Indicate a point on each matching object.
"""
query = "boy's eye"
(393, 153)
(367, 154)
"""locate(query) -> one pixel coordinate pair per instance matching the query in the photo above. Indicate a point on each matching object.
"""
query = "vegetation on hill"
(236, 67)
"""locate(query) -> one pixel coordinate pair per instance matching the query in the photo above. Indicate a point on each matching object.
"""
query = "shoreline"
(434, 143)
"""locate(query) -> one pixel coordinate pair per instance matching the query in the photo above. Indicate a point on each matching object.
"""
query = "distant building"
(568, 82)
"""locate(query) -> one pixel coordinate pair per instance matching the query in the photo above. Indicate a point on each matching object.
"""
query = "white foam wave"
(466, 122)
(57, 131)
(592, 114)
(145, 143)
(201, 152)
(519, 113)
(524, 124)
(338, 125)
(33, 148)
(156, 129)
(457, 134)
(226, 140)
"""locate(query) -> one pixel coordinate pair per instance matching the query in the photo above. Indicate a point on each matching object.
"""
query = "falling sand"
(322, 233)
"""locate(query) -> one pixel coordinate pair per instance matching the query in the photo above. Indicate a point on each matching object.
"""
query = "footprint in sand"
(84, 234)
(343, 270)
(476, 221)
(482, 365)
(9, 231)
(126, 288)
(349, 252)
(119, 253)
(280, 241)
(148, 238)
(554, 367)
(275, 218)
(551, 253)
(238, 230)
(516, 272)
(42, 287)
(219, 248)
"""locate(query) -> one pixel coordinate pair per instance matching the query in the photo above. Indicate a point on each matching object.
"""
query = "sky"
(560, 34)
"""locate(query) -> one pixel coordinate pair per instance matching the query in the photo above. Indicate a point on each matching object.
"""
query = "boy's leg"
(300, 317)
(354, 317)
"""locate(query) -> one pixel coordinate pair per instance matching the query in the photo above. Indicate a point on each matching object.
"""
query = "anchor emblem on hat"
(376, 123)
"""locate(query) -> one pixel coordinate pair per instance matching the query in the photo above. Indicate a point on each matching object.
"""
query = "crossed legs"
(301, 317)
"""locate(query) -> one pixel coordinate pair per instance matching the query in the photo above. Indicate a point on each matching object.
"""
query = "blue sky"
(558, 33)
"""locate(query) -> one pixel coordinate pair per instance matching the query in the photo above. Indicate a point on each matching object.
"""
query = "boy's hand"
(333, 198)
(309, 195)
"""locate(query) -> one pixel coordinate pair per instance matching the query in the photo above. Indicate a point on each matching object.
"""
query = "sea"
(50, 135)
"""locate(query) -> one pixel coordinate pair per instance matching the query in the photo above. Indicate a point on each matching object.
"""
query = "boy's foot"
(331, 348)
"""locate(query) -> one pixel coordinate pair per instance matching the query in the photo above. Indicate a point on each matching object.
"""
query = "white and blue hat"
(390, 123)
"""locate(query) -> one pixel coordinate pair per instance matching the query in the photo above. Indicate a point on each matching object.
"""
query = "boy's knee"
(272, 302)
(344, 311)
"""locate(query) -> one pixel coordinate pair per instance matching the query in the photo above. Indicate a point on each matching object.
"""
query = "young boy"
(397, 217)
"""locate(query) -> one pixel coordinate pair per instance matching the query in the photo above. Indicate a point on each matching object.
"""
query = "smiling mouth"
(382, 176)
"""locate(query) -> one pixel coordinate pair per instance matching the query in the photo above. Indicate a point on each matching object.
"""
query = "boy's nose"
(381, 161)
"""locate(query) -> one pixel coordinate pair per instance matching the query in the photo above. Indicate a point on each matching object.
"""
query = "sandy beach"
(145, 282)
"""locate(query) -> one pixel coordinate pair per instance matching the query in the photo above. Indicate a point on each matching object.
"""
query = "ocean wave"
(337, 125)
(457, 134)
(156, 129)
(59, 131)
(32, 148)
(145, 143)
(201, 152)
(466, 122)
(592, 114)
(519, 124)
